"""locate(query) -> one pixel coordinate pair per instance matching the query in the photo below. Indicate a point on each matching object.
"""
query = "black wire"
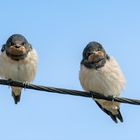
(93, 95)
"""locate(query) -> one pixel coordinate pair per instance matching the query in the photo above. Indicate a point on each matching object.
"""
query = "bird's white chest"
(17, 71)
(23, 70)
(108, 80)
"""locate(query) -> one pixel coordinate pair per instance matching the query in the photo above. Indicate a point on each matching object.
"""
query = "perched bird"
(102, 74)
(18, 61)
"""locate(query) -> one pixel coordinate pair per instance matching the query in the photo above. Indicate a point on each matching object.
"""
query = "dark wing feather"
(16, 97)
(113, 117)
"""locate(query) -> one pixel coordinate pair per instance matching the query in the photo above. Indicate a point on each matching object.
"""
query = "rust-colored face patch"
(96, 57)
(17, 53)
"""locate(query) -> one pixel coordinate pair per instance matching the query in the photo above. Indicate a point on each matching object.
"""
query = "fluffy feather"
(23, 70)
(108, 80)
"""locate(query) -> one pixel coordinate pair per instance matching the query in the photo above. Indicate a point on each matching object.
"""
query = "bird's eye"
(89, 53)
(100, 48)
(11, 44)
(22, 43)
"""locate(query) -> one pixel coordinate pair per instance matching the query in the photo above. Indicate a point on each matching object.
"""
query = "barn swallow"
(102, 74)
(18, 61)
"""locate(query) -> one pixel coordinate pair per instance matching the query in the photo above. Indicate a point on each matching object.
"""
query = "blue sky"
(59, 31)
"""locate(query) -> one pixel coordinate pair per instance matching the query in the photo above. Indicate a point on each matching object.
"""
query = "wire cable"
(93, 95)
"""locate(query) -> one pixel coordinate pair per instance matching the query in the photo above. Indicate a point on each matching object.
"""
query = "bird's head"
(16, 47)
(94, 56)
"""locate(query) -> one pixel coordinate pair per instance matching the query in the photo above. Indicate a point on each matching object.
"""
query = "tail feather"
(16, 93)
(119, 116)
(114, 117)
(16, 97)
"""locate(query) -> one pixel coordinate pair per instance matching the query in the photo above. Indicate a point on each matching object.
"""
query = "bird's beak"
(17, 50)
(17, 46)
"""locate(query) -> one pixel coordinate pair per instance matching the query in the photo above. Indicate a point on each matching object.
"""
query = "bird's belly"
(19, 72)
(98, 81)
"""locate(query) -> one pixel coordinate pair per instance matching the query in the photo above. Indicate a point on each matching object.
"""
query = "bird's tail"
(16, 93)
(111, 108)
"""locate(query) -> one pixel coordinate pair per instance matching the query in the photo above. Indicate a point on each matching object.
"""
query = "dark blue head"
(16, 47)
(94, 55)
(16, 39)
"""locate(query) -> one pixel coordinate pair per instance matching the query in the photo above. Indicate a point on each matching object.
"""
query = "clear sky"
(59, 31)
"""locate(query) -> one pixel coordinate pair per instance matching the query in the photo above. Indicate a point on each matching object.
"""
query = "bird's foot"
(111, 97)
(26, 83)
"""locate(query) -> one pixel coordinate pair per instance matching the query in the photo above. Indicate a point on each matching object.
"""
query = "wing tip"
(16, 97)
(115, 117)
